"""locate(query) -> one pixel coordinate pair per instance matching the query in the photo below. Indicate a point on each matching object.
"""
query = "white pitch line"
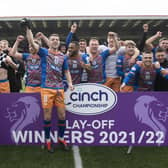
(129, 149)
(77, 157)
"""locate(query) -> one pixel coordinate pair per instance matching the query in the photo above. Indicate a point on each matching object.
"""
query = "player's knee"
(61, 116)
(61, 113)
(47, 117)
(47, 114)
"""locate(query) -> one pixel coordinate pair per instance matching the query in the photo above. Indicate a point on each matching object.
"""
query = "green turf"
(34, 157)
(116, 157)
(92, 157)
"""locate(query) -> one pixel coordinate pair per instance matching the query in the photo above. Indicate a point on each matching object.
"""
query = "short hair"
(159, 49)
(164, 38)
(82, 40)
(130, 42)
(54, 34)
(6, 41)
(76, 43)
(94, 38)
(111, 34)
(147, 52)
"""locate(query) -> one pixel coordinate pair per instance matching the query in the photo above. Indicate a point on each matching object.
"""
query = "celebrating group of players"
(120, 65)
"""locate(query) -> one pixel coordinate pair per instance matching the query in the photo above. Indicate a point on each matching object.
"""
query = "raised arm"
(41, 36)
(116, 43)
(26, 24)
(14, 51)
(134, 57)
(153, 38)
(143, 37)
(71, 34)
(30, 39)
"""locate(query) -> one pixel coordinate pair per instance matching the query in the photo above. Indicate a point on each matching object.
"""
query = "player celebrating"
(112, 78)
(33, 65)
(125, 62)
(54, 65)
(76, 65)
(96, 60)
(5, 61)
(145, 72)
(161, 84)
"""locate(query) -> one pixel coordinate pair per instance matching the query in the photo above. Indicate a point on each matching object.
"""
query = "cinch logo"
(90, 99)
(85, 96)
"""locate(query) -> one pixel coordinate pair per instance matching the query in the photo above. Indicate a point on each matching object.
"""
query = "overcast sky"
(82, 7)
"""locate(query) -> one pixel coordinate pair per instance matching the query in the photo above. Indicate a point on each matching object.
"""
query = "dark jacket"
(161, 84)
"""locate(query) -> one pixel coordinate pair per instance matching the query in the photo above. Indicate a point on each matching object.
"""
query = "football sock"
(47, 128)
(61, 128)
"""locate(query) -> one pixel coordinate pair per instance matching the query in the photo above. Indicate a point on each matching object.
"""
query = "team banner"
(96, 115)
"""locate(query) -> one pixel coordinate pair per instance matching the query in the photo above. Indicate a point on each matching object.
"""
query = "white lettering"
(39, 136)
(30, 137)
(83, 123)
(111, 123)
(89, 135)
(19, 136)
(76, 137)
(66, 136)
(54, 136)
(68, 125)
(96, 124)
(76, 125)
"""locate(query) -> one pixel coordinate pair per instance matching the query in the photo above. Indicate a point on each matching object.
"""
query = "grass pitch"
(116, 157)
(34, 157)
(92, 157)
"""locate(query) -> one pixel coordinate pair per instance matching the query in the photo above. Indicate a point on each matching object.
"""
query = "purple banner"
(95, 117)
